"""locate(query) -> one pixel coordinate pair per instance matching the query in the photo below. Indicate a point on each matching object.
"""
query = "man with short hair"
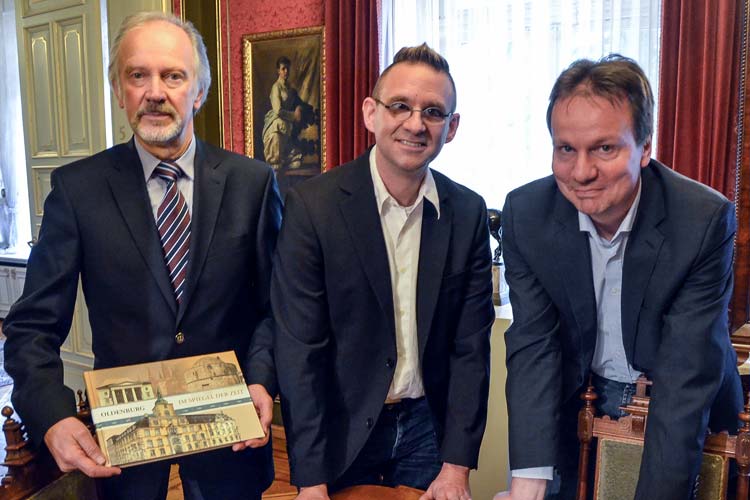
(617, 266)
(172, 239)
(383, 300)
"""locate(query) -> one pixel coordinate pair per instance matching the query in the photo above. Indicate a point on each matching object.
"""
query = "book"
(164, 409)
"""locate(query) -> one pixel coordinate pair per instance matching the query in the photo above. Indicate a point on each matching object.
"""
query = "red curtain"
(698, 89)
(351, 28)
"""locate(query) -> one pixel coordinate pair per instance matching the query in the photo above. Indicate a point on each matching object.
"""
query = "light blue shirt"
(607, 257)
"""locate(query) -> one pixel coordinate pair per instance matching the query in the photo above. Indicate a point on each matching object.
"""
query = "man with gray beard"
(172, 241)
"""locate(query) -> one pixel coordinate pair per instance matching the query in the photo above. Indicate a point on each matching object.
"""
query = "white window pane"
(505, 56)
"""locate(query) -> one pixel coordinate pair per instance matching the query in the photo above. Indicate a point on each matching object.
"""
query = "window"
(15, 228)
(505, 56)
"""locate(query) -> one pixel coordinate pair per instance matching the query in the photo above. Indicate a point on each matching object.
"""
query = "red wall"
(256, 16)
(245, 17)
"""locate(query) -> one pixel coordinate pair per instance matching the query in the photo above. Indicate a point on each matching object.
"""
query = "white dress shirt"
(402, 230)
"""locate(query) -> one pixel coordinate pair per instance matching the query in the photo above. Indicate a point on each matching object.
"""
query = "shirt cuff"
(534, 473)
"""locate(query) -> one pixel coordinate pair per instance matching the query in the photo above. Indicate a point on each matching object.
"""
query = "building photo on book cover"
(159, 410)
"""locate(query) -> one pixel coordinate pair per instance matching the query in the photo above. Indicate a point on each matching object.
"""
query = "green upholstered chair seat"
(619, 462)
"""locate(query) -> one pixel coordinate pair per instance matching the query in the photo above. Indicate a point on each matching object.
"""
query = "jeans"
(611, 395)
(401, 450)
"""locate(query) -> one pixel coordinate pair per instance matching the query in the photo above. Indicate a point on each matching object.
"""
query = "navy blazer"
(677, 281)
(98, 224)
(335, 344)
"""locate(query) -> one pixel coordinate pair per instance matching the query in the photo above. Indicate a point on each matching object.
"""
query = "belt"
(392, 404)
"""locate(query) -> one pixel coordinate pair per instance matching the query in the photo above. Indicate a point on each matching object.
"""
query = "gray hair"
(202, 67)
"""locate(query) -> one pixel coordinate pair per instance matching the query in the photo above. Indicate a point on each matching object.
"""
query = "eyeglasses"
(402, 112)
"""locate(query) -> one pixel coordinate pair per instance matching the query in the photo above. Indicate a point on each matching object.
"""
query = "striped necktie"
(173, 222)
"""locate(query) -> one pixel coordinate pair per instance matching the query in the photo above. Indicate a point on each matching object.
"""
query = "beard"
(158, 135)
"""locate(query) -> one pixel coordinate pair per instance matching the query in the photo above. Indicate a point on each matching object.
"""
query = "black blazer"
(98, 223)
(677, 281)
(332, 300)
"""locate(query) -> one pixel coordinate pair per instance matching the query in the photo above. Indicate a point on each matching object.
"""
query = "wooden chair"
(33, 473)
(620, 446)
(370, 492)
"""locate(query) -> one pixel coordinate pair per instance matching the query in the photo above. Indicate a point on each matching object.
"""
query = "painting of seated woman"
(284, 103)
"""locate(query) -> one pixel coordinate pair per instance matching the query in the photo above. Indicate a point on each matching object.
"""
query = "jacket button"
(179, 338)
(389, 363)
(369, 423)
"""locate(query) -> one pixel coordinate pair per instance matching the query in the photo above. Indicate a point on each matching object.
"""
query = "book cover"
(159, 410)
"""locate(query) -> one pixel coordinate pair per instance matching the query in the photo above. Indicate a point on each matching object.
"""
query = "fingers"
(266, 415)
(445, 492)
(94, 470)
(73, 448)
(89, 447)
(251, 443)
(263, 405)
(317, 492)
(452, 483)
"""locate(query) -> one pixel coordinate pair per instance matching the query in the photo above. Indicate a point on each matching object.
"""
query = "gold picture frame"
(284, 101)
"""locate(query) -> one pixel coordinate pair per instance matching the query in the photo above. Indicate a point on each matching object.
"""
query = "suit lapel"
(208, 190)
(433, 251)
(129, 190)
(641, 253)
(359, 210)
(573, 254)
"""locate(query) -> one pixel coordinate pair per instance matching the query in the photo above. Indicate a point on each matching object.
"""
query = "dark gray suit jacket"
(98, 224)
(677, 281)
(332, 300)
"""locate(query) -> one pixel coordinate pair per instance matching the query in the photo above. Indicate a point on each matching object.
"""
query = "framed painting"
(284, 102)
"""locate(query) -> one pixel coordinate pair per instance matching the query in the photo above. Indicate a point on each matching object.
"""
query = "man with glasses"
(382, 293)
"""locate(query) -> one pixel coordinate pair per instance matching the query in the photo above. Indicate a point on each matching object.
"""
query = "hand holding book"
(154, 411)
(73, 447)
(263, 403)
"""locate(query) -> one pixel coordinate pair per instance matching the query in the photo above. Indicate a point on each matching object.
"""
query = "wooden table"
(370, 492)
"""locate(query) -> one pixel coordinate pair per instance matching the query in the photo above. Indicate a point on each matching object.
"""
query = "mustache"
(157, 108)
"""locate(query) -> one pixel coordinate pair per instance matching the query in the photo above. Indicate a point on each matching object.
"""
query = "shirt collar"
(428, 189)
(185, 162)
(587, 225)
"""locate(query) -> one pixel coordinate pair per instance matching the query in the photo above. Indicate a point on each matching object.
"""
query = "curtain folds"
(351, 63)
(698, 90)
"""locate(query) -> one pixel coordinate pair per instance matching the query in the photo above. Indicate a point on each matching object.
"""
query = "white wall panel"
(41, 178)
(35, 7)
(74, 112)
(40, 76)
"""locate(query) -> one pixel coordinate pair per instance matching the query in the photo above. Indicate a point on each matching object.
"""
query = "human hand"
(298, 114)
(317, 492)
(452, 483)
(524, 488)
(73, 447)
(263, 403)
